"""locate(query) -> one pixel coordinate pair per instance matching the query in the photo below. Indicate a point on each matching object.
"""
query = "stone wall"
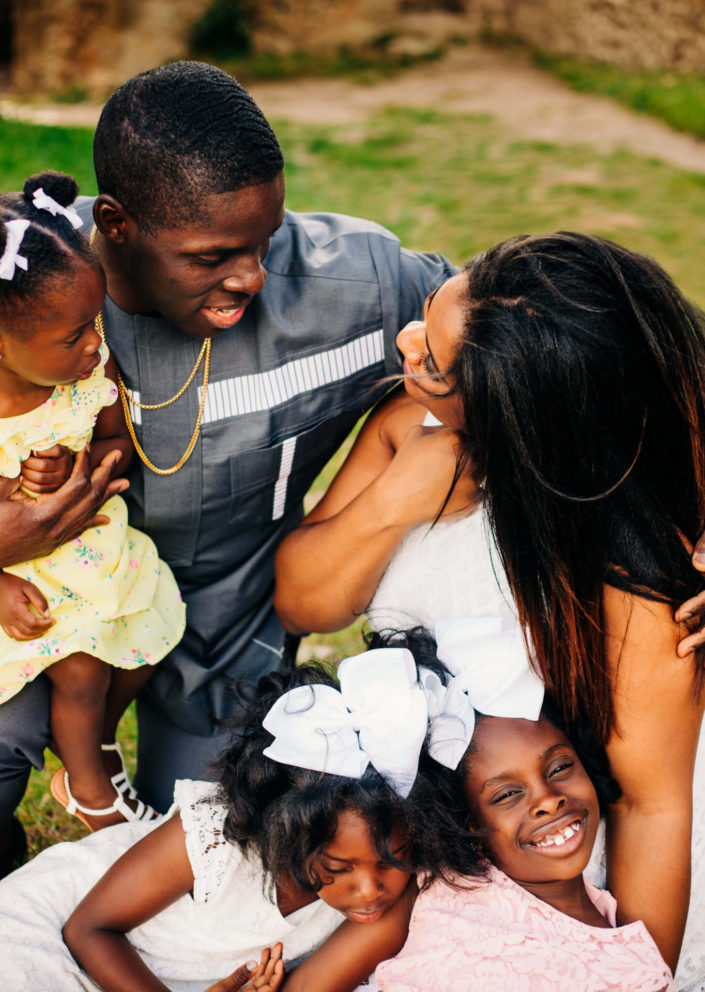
(653, 34)
(660, 34)
(95, 44)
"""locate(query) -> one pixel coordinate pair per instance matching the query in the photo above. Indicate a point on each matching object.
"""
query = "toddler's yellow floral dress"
(108, 591)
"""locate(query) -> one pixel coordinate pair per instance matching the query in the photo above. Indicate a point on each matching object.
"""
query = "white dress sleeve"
(211, 856)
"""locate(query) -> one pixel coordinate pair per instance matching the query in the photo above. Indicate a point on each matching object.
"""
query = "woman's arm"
(354, 950)
(144, 881)
(652, 754)
(397, 476)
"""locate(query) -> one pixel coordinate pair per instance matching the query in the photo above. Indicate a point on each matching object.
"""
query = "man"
(292, 321)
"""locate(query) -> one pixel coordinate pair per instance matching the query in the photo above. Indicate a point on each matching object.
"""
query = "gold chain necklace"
(203, 356)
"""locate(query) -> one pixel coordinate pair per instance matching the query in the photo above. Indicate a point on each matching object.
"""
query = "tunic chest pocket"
(267, 482)
(253, 479)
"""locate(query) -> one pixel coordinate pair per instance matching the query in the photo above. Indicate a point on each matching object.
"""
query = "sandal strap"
(122, 785)
(74, 806)
(120, 780)
(143, 811)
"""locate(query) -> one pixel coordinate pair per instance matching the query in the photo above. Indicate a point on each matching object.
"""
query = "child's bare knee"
(80, 675)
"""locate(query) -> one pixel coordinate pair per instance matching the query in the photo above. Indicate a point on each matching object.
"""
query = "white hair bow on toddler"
(42, 201)
(379, 716)
(490, 673)
(11, 258)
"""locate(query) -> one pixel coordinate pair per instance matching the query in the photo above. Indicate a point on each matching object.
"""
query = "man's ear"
(111, 219)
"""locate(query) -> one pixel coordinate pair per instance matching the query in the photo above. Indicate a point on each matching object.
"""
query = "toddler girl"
(529, 921)
(315, 823)
(99, 611)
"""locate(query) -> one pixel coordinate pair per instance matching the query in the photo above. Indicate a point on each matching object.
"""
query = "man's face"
(201, 277)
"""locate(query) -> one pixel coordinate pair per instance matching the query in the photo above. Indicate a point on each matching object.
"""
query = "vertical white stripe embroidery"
(288, 447)
(135, 411)
(265, 390)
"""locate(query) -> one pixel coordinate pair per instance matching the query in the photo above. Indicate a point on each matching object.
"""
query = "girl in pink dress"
(529, 921)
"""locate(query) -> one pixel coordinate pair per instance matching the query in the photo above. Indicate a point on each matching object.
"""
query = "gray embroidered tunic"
(287, 384)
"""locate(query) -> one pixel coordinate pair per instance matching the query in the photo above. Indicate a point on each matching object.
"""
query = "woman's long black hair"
(582, 375)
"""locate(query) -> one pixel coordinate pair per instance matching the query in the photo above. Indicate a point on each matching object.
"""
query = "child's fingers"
(277, 978)
(20, 631)
(237, 980)
(264, 978)
(37, 599)
(56, 451)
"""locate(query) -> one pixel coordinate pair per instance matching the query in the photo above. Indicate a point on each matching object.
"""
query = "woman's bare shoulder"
(395, 416)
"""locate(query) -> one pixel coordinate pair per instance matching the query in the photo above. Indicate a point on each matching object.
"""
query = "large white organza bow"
(379, 716)
(42, 201)
(11, 259)
(490, 673)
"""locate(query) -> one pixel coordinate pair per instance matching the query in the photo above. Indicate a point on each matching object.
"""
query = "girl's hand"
(47, 471)
(24, 612)
(267, 976)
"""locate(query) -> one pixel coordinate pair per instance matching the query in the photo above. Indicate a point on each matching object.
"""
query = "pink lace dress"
(498, 937)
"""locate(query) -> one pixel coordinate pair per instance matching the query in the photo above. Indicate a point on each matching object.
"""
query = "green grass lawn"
(677, 98)
(442, 183)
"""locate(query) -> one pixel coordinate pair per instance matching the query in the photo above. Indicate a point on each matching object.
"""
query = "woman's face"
(429, 347)
(534, 799)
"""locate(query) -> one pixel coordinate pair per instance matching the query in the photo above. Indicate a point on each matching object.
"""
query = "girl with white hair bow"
(524, 917)
(310, 838)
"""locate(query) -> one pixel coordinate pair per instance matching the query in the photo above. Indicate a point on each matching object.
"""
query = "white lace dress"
(196, 941)
(453, 570)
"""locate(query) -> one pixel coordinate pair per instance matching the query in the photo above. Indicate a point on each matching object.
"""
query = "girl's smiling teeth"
(559, 837)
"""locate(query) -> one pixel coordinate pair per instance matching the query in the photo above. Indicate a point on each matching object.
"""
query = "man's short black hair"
(173, 134)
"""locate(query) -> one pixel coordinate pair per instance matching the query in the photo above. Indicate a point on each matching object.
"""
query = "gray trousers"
(166, 752)
(24, 734)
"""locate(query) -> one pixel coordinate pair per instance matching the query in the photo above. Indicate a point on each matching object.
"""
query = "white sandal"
(120, 780)
(59, 787)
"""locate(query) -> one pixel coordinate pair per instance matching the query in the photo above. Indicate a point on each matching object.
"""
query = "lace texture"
(209, 853)
(502, 939)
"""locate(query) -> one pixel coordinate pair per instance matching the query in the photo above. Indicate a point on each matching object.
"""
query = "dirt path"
(529, 104)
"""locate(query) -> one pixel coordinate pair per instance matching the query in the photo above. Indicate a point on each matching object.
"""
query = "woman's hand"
(421, 474)
(47, 471)
(24, 612)
(267, 976)
(694, 607)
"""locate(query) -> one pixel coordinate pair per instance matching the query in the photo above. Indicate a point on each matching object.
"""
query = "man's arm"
(30, 528)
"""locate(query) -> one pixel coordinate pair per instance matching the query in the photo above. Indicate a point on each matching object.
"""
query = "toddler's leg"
(80, 686)
(124, 686)
(125, 683)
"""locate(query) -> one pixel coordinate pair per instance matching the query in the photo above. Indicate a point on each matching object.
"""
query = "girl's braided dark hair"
(51, 245)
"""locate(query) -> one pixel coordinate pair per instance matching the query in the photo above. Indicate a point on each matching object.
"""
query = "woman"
(572, 374)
